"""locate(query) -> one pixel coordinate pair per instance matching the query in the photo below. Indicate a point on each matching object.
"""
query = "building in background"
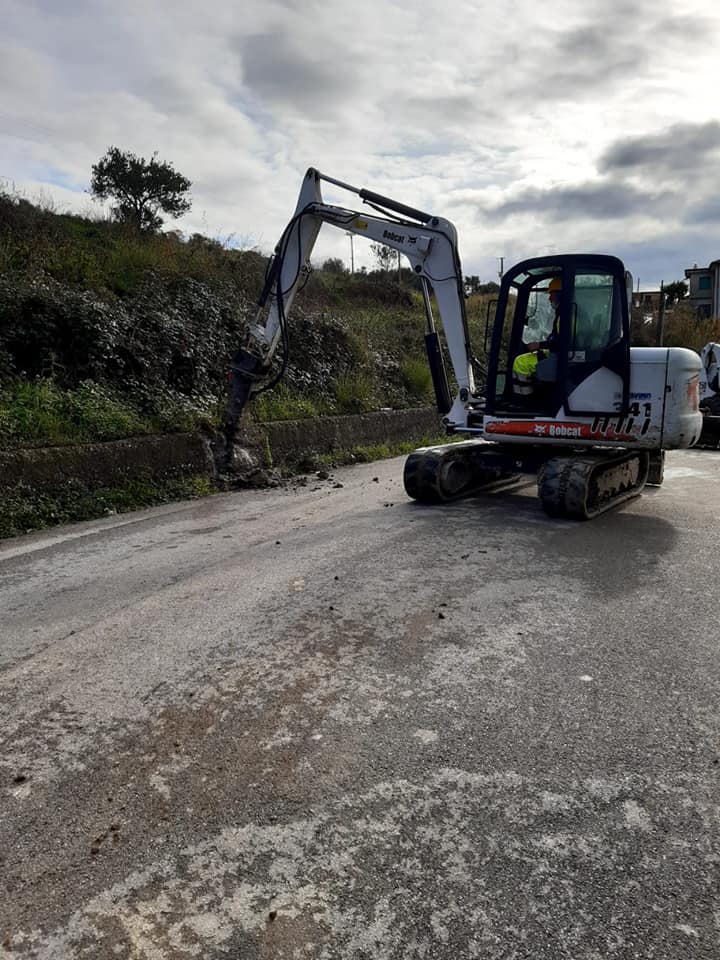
(704, 289)
(647, 300)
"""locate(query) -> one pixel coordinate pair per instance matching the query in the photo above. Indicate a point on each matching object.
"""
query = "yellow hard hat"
(555, 284)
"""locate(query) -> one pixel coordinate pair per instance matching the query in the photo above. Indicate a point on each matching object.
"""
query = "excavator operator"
(525, 365)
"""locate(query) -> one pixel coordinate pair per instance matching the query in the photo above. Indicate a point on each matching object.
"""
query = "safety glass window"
(596, 318)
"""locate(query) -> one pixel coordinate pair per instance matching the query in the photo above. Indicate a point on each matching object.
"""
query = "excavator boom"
(428, 242)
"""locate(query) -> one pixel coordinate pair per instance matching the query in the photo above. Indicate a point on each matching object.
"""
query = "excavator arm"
(428, 242)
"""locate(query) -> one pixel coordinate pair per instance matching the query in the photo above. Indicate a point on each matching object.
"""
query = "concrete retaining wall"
(98, 464)
(290, 440)
(102, 463)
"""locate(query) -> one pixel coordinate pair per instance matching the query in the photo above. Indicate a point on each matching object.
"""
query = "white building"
(704, 288)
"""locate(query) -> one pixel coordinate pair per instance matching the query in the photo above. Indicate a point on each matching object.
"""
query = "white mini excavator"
(593, 416)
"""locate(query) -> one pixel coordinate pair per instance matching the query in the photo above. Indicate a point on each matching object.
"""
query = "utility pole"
(661, 315)
(352, 252)
(501, 270)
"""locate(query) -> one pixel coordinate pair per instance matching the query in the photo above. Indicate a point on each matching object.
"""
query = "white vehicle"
(710, 395)
(597, 419)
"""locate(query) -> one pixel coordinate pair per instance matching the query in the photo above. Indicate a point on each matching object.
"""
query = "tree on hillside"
(334, 265)
(474, 286)
(140, 188)
(386, 257)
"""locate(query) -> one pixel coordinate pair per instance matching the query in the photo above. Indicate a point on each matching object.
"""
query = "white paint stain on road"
(303, 889)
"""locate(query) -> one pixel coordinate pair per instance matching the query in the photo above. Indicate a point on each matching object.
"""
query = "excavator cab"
(561, 338)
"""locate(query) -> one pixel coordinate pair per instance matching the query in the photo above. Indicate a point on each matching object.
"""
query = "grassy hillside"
(107, 333)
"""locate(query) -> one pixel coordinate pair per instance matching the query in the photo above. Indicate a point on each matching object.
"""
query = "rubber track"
(656, 471)
(446, 473)
(583, 487)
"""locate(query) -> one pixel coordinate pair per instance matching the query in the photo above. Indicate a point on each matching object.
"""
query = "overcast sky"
(536, 127)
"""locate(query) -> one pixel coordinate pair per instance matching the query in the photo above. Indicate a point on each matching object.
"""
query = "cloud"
(703, 211)
(678, 150)
(598, 58)
(586, 201)
(595, 57)
(666, 256)
(501, 126)
(278, 69)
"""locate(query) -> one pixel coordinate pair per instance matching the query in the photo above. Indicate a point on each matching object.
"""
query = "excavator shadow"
(518, 504)
(511, 504)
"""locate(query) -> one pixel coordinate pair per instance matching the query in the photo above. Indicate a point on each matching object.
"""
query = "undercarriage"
(576, 484)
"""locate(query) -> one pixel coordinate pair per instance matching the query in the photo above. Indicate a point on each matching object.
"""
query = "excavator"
(592, 418)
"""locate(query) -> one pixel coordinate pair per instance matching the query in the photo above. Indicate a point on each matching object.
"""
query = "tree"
(334, 265)
(473, 286)
(675, 291)
(386, 257)
(140, 188)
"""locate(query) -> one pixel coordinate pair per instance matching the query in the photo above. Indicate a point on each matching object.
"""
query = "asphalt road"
(327, 722)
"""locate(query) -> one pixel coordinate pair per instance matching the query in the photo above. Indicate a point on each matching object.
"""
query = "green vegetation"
(40, 413)
(416, 377)
(140, 188)
(112, 258)
(354, 393)
(152, 320)
(108, 331)
(367, 453)
(682, 328)
(286, 403)
(24, 509)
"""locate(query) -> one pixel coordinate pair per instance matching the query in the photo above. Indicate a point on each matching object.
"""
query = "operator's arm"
(536, 345)
(550, 343)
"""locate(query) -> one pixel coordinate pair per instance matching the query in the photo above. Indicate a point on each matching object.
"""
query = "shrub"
(41, 412)
(285, 403)
(417, 378)
(683, 328)
(353, 393)
(155, 319)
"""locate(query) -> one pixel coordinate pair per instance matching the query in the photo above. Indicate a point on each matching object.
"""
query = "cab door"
(594, 358)
(582, 348)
